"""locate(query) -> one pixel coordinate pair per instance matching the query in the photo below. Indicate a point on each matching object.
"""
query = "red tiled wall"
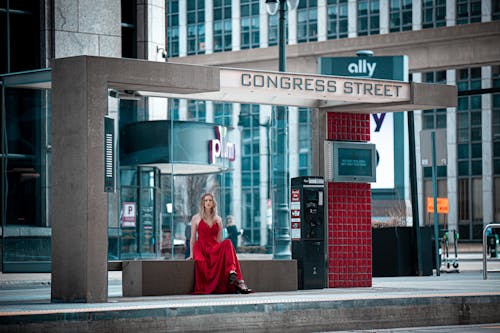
(349, 213)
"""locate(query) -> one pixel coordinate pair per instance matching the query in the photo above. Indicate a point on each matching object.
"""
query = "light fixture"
(125, 94)
(364, 53)
(162, 50)
(272, 6)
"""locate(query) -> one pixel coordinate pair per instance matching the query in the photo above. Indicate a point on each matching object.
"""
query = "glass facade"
(495, 124)
(164, 201)
(434, 119)
(469, 155)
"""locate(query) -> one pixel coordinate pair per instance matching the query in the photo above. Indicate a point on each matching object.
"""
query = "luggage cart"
(449, 265)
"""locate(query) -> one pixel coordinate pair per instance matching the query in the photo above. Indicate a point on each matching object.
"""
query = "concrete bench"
(176, 277)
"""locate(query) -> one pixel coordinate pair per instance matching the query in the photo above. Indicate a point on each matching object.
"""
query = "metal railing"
(485, 247)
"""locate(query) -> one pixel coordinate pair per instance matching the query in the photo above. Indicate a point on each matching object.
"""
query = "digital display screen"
(347, 161)
(354, 162)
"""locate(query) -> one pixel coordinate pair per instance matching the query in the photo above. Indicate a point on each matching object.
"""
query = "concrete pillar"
(486, 10)
(151, 32)
(236, 25)
(416, 14)
(352, 18)
(487, 143)
(318, 137)
(417, 121)
(182, 28)
(79, 203)
(322, 21)
(265, 114)
(384, 17)
(451, 11)
(263, 25)
(292, 26)
(451, 168)
(209, 26)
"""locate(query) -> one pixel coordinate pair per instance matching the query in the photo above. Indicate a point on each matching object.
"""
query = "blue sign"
(389, 67)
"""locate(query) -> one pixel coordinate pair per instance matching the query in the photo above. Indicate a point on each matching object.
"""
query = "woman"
(217, 270)
(232, 231)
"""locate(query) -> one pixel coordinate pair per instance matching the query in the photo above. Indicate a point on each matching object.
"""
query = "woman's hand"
(189, 258)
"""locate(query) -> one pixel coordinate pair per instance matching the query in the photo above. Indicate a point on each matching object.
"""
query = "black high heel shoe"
(241, 288)
(232, 277)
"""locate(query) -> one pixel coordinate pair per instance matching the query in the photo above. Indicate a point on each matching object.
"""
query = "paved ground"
(449, 299)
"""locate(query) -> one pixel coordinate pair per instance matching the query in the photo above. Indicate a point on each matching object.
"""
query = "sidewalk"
(470, 259)
(449, 299)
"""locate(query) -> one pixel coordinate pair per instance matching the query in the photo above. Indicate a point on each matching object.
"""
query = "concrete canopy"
(80, 87)
(334, 93)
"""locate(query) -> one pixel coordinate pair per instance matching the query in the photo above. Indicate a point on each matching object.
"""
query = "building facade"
(449, 42)
(329, 28)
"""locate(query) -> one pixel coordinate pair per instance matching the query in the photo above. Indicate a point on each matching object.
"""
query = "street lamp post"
(281, 212)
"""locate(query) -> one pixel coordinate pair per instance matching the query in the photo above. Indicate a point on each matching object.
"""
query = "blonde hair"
(203, 214)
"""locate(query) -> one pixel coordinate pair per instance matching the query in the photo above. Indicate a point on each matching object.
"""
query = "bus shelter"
(80, 87)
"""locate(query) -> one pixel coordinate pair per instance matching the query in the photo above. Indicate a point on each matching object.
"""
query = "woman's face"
(208, 202)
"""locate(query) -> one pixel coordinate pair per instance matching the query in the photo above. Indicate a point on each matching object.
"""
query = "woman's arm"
(194, 227)
(219, 234)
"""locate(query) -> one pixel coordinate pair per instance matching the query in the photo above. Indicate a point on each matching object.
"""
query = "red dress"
(213, 261)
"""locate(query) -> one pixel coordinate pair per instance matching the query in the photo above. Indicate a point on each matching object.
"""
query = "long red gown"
(213, 261)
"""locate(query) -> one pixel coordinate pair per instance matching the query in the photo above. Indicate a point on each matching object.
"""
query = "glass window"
(129, 28)
(305, 142)
(173, 28)
(26, 163)
(433, 13)
(337, 19)
(496, 133)
(400, 15)
(468, 11)
(496, 196)
(196, 27)
(495, 14)
(307, 21)
(249, 24)
(368, 17)
(24, 25)
(222, 26)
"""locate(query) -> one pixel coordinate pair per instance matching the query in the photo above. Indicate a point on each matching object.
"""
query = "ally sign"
(381, 124)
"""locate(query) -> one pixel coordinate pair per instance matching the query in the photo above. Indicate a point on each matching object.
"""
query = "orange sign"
(442, 204)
